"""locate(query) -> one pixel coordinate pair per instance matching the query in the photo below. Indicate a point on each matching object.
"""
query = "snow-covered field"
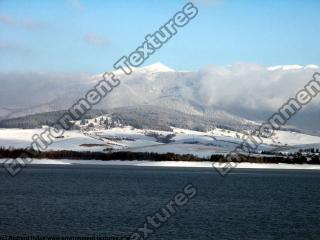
(22, 138)
(181, 141)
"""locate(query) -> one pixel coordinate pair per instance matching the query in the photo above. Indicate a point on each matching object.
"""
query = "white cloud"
(92, 38)
(250, 86)
(75, 4)
(12, 48)
(26, 23)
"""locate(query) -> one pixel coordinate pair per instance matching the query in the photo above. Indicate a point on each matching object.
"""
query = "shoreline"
(144, 163)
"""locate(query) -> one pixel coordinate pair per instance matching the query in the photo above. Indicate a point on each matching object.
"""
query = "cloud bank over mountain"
(251, 86)
(248, 90)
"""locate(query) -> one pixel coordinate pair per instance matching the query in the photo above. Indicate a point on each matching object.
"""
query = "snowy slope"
(22, 138)
(95, 135)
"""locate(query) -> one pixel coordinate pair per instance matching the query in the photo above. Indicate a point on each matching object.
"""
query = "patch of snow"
(294, 138)
(22, 138)
(285, 67)
(205, 164)
(156, 67)
(292, 67)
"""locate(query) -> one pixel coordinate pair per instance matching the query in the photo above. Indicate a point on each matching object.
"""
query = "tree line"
(296, 158)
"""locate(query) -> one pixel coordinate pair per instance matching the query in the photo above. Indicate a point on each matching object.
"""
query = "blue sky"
(89, 36)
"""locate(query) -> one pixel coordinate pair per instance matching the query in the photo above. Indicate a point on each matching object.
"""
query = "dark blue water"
(108, 201)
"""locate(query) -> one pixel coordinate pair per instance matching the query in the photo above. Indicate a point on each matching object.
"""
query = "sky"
(90, 36)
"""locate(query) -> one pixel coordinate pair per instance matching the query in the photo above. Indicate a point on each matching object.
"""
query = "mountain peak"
(157, 67)
(153, 68)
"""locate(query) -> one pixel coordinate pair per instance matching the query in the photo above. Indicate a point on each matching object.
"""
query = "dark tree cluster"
(296, 158)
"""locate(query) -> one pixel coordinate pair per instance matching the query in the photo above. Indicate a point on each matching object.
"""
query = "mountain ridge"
(251, 88)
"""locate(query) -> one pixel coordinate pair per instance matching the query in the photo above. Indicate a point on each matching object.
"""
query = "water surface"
(114, 200)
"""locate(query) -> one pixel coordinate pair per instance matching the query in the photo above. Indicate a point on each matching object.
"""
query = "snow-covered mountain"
(247, 91)
(293, 67)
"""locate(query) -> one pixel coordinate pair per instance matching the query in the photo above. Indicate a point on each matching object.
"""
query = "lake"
(114, 201)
